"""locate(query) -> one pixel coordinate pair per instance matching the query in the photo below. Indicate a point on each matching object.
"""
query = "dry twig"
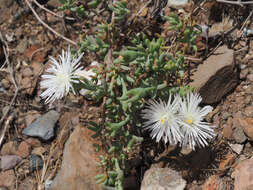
(6, 126)
(48, 27)
(235, 2)
(10, 66)
(51, 12)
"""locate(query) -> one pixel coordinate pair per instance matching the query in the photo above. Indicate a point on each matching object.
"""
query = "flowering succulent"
(194, 129)
(162, 119)
(179, 121)
(61, 76)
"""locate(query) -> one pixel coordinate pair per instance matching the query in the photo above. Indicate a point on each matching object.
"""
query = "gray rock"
(177, 4)
(35, 163)
(238, 135)
(237, 148)
(162, 179)
(9, 161)
(43, 127)
(216, 76)
(48, 184)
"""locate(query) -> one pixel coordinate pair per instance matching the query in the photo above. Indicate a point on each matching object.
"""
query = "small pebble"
(35, 163)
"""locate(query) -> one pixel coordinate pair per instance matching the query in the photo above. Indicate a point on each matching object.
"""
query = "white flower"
(88, 74)
(163, 121)
(61, 76)
(194, 129)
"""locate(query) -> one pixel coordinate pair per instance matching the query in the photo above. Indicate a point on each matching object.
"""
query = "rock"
(237, 148)
(5, 83)
(243, 74)
(27, 72)
(9, 161)
(227, 129)
(24, 149)
(48, 184)
(247, 125)
(9, 148)
(216, 76)
(177, 4)
(7, 179)
(52, 19)
(54, 3)
(243, 175)
(35, 163)
(43, 127)
(213, 183)
(80, 163)
(238, 134)
(162, 179)
(249, 111)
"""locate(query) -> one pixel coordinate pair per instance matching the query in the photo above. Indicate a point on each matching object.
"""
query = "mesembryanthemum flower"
(194, 129)
(61, 76)
(162, 120)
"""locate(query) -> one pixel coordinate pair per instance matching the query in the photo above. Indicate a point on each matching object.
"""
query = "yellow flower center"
(189, 119)
(163, 119)
(62, 78)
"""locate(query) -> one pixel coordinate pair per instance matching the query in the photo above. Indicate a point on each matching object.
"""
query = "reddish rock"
(9, 148)
(9, 161)
(243, 175)
(80, 163)
(33, 142)
(247, 125)
(227, 129)
(227, 161)
(213, 183)
(7, 179)
(35, 52)
(216, 76)
(162, 178)
(24, 149)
